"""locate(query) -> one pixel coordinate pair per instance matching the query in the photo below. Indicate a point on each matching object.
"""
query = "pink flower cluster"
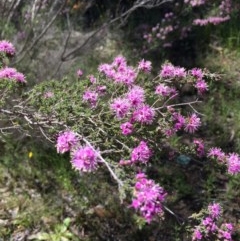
(165, 90)
(92, 94)
(215, 20)
(195, 3)
(170, 71)
(225, 7)
(144, 114)
(161, 30)
(223, 15)
(6, 72)
(208, 228)
(7, 48)
(148, 198)
(119, 71)
(145, 66)
(231, 160)
(200, 83)
(121, 107)
(160, 34)
(135, 96)
(84, 158)
(91, 97)
(127, 128)
(12, 74)
(200, 149)
(192, 123)
(189, 124)
(66, 141)
(132, 105)
(79, 73)
(140, 154)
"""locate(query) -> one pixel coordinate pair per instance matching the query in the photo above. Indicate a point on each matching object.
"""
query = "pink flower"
(66, 141)
(120, 107)
(119, 61)
(226, 231)
(170, 71)
(144, 114)
(215, 20)
(19, 77)
(92, 79)
(199, 147)
(167, 71)
(197, 73)
(104, 68)
(91, 97)
(7, 48)
(145, 66)
(201, 86)
(209, 225)
(101, 89)
(85, 159)
(125, 162)
(227, 226)
(126, 75)
(127, 128)
(214, 210)
(207, 221)
(192, 123)
(180, 121)
(208, 229)
(165, 90)
(108, 70)
(12, 74)
(148, 198)
(195, 3)
(79, 73)
(119, 71)
(180, 72)
(141, 153)
(136, 96)
(227, 235)
(233, 163)
(197, 235)
(216, 152)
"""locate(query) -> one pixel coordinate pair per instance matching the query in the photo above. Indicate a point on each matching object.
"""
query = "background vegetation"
(42, 197)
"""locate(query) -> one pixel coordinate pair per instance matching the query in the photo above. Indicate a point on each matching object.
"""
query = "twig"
(180, 104)
(40, 35)
(175, 215)
(120, 183)
(45, 135)
(138, 4)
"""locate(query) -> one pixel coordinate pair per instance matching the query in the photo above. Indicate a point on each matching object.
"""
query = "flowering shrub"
(180, 19)
(119, 120)
(138, 114)
(7, 48)
(209, 227)
(231, 160)
(9, 77)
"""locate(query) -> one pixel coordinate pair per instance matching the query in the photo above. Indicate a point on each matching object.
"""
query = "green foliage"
(60, 233)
